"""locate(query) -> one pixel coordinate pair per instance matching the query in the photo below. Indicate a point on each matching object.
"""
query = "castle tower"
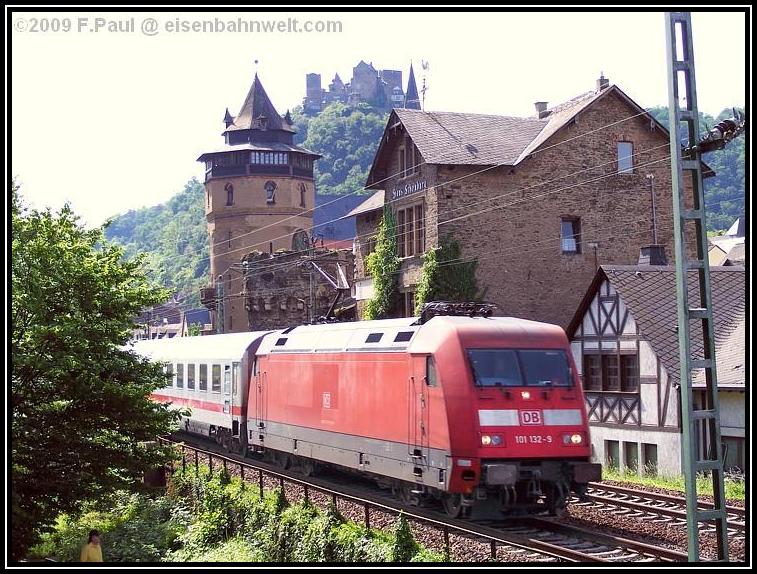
(259, 196)
(412, 101)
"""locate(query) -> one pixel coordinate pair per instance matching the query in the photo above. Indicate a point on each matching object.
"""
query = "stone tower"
(259, 196)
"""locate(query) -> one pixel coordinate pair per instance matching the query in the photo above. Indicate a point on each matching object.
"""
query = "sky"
(111, 114)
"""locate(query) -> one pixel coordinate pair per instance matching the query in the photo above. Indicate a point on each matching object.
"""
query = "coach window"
(431, 380)
(227, 379)
(203, 377)
(236, 375)
(191, 377)
(169, 372)
(180, 375)
(216, 388)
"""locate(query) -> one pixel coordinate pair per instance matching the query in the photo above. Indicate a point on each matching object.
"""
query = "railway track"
(657, 507)
(542, 540)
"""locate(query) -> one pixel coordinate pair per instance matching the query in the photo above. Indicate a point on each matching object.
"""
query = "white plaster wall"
(732, 413)
(668, 446)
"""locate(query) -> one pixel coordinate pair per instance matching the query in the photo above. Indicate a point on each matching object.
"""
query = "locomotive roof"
(229, 347)
(393, 335)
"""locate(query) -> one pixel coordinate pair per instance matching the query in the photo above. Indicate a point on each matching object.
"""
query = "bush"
(217, 518)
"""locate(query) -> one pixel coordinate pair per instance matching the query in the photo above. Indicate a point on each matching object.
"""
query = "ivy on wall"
(447, 276)
(382, 265)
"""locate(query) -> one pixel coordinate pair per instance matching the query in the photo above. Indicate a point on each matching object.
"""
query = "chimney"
(652, 255)
(602, 82)
(541, 109)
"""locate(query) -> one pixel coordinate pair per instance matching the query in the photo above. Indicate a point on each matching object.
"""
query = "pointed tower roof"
(412, 101)
(228, 119)
(257, 104)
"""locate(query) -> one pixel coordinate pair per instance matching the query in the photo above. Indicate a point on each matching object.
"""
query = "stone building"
(540, 202)
(260, 194)
(277, 287)
(625, 346)
(380, 88)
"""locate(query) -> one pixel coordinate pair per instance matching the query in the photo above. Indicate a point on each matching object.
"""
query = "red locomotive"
(480, 413)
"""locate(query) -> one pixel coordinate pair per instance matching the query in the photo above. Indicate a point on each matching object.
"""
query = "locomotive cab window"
(520, 368)
(431, 377)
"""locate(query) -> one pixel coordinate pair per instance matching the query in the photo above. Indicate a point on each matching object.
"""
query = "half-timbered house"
(624, 338)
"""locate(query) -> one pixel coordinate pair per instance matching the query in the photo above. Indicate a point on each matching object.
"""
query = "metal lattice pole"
(696, 458)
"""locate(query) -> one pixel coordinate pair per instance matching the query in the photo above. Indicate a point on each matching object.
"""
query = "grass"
(735, 489)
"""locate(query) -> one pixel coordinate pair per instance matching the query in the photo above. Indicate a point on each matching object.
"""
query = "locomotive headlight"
(494, 440)
(525, 395)
(574, 439)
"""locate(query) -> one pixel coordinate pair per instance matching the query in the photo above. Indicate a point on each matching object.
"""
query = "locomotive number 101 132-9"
(533, 439)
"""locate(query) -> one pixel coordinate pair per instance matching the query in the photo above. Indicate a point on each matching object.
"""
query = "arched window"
(303, 191)
(229, 194)
(270, 192)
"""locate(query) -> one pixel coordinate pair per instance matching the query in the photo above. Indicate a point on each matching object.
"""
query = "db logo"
(530, 417)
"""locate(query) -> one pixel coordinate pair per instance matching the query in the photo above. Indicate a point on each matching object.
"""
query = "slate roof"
(470, 139)
(481, 139)
(257, 103)
(649, 292)
(260, 146)
(374, 202)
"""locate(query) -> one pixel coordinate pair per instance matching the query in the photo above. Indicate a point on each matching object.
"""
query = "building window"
(611, 372)
(409, 304)
(303, 191)
(631, 452)
(570, 234)
(629, 365)
(402, 161)
(649, 454)
(411, 238)
(625, 157)
(592, 374)
(270, 192)
(612, 453)
(733, 454)
(229, 194)
(230, 239)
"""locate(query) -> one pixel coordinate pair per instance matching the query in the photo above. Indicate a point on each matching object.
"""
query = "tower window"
(229, 194)
(303, 190)
(570, 235)
(270, 192)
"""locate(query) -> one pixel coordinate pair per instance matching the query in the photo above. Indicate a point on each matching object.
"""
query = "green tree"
(382, 265)
(81, 417)
(724, 193)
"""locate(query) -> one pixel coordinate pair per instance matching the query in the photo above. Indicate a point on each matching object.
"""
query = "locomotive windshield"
(520, 368)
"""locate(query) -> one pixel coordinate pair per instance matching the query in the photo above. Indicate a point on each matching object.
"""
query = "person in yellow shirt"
(92, 551)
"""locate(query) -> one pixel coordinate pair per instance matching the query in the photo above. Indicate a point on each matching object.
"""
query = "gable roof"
(256, 104)
(481, 139)
(649, 292)
(373, 203)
